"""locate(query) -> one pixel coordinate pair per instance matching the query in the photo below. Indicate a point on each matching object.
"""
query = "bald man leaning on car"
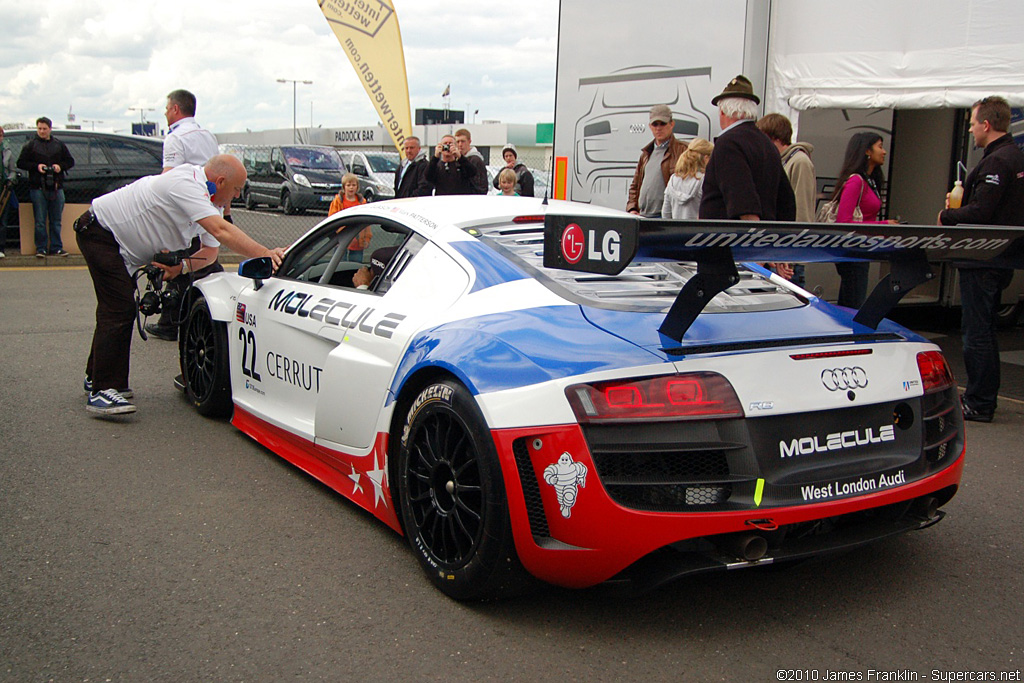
(120, 233)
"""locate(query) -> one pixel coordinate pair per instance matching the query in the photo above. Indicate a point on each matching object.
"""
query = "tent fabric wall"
(911, 54)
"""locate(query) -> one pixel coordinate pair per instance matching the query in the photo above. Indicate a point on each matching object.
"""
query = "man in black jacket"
(744, 178)
(449, 171)
(46, 159)
(410, 180)
(993, 195)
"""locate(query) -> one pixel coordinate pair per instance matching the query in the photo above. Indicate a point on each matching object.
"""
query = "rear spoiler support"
(907, 271)
(716, 272)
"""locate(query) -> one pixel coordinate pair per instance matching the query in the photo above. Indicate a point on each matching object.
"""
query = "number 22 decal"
(248, 338)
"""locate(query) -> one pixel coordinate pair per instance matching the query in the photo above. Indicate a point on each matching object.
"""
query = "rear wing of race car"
(607, 244)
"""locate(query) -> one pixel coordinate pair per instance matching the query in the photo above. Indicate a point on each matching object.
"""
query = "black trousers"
(979, 298)
(110, 354)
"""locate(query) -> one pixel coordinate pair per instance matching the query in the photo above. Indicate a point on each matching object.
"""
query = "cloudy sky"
(103, 57)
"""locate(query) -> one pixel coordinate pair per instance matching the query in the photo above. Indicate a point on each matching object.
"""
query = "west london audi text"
(337, 313)
(836, 441)
(846, 488)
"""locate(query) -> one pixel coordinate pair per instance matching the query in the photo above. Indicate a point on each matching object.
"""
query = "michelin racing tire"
(452, 497)
(204, 362)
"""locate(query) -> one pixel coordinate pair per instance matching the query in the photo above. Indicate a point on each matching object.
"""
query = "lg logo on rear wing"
(593, 244)
(576, 243)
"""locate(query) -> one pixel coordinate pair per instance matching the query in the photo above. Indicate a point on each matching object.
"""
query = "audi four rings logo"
(837, 379)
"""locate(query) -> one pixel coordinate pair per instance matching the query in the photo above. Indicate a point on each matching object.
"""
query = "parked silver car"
(376, 171)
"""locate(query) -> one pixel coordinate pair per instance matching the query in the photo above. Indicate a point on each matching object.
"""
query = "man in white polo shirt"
(120, 234)
(186, 143)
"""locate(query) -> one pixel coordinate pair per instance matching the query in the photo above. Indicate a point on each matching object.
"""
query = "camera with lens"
(49, 178)
(158, 298)
(446, 147)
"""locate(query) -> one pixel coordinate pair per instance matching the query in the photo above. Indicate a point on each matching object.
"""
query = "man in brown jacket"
(647, 191)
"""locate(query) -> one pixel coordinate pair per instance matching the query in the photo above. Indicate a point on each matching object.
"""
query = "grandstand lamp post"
(295, 85)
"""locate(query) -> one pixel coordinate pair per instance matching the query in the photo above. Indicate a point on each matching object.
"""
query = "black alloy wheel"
(204, 362)
(452, 497)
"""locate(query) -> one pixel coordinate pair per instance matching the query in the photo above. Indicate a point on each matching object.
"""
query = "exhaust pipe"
(749, 547)
(926, 506)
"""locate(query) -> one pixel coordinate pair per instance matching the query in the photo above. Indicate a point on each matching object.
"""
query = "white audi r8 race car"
(531, 390)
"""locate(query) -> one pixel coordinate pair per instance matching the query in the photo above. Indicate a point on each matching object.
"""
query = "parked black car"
(103, 161)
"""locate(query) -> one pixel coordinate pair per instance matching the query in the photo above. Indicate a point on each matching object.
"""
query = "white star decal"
(355, 477)
(377, 476)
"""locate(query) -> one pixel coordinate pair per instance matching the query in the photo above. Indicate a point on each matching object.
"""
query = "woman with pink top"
(859, 186)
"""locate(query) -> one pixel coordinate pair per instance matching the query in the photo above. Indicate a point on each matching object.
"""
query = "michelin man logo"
(566, 476)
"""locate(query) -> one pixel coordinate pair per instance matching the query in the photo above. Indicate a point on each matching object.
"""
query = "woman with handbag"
(857, 190)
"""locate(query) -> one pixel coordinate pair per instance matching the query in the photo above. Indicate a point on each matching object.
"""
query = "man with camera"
(46, 159)
(449, 172)
(121, 233)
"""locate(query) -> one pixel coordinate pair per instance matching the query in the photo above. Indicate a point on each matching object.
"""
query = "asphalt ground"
(169, 547)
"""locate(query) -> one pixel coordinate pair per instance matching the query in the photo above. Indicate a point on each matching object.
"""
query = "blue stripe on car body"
(491, 268)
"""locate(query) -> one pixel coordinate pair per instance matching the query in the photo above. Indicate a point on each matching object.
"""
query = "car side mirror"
(256, 269)
(359, 169)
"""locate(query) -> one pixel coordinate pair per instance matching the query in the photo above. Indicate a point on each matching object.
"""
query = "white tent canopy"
(904, 54)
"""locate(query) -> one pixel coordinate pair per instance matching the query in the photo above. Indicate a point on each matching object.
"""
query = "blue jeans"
(979, 299)
(47, 205)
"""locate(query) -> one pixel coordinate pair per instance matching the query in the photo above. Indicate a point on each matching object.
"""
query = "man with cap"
(647, 191)
(365, 276)
(744, 178)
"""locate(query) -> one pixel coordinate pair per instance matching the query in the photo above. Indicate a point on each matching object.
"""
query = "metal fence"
(271, 227)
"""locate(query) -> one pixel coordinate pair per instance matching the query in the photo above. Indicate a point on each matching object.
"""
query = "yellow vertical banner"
(368, 32)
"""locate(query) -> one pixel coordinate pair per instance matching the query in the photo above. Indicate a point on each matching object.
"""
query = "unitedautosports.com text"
(762, 238)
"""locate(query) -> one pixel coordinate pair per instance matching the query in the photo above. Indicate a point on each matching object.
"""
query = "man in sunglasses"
(647, 191)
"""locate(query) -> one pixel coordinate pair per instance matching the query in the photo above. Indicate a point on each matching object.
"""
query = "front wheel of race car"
(204, 362)
(452, 497)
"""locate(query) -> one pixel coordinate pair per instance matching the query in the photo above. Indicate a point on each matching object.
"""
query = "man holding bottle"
(993, 195)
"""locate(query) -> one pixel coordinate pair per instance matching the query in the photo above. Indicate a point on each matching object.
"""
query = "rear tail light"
(698, 395)
(935, 373)
(519, 220)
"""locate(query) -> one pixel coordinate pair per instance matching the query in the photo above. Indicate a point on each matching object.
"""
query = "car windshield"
(383, 163)
(306, 157)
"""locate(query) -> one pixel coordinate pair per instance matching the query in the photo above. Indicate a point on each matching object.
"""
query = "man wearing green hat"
(744, 178)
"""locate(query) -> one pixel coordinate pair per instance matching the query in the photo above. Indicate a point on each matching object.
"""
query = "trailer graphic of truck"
(609, 135)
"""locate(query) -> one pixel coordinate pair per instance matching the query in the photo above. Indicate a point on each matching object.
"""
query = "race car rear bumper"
(570, 532)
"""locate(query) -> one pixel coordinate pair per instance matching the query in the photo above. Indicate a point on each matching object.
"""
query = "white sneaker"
(109, 402)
